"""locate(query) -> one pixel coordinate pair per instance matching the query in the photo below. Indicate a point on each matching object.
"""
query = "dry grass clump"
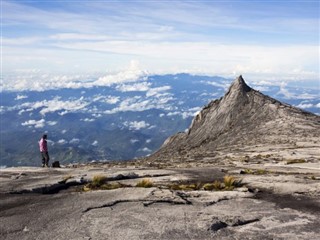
(255, 171)
(293, 161)
(145, 183)
(228, 184)
(186, 187)
(99, 182)
(216, 185)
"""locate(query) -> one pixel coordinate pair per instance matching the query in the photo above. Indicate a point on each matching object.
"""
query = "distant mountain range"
(122, 121)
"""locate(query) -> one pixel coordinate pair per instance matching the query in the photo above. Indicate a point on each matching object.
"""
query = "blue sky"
(268, 40)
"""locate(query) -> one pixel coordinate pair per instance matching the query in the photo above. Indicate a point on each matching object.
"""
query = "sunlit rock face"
(243, 117)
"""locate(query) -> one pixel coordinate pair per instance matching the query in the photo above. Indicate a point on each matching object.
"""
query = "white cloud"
(52, 123)
(39, 81)
(56, 105)
(96, 115)
(136, 87)
(155, 91)
(95, 143)
(62, 141)
(168, 37)
(74, 141)
(106, 99)
(131, 104)
(145, 149)
(305, 105)
(135, 125)
(318, 105)
(2, 109)
(112, 100)
(63, 131)
(134, 141)
(88, 119)
(19, 97)
(148, 140)
(261, 88)
(34, 123)
(21, 111)
(285, 91)
(307, 96)
(225, 86)
(132, 74)
(185, 114)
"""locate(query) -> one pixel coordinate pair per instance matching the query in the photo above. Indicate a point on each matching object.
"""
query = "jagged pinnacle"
(239, 85)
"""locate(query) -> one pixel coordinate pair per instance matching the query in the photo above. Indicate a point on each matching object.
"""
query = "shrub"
(261, 172)
(292, 161)
(187, 187)
(208, 187)
(98, 181)
(247, 171)
(146, 183)
(230, 182)
(110, 186)
(216, 185)
(257, 172)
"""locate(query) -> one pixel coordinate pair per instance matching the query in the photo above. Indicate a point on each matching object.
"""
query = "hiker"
(44, 151)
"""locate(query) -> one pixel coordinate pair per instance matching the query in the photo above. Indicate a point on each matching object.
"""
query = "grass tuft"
(187, 187)
(255, 171)
(98, 180)
(293, 161)
(229, 182)
(145, 183)
(216, 185)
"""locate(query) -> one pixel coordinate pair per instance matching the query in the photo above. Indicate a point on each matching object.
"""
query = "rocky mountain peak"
(239, 85)
(242, 117)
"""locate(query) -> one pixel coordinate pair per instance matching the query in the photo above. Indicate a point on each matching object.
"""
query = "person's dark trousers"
(45, 159)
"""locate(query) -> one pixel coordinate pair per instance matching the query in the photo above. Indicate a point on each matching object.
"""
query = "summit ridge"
(243, 118)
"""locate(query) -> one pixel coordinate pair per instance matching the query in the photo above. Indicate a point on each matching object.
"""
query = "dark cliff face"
(243, 116)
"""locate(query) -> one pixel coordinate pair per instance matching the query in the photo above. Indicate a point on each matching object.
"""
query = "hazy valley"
(118, 122)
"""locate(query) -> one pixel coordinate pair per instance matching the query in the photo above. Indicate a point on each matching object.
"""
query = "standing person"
(44, 151)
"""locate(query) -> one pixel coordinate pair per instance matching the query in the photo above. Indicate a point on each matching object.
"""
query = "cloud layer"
(203, 37)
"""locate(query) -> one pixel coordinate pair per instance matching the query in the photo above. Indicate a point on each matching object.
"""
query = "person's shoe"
(42, 165)
(47, 165)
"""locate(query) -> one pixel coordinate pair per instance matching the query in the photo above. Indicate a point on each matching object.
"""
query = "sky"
(69, 42)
